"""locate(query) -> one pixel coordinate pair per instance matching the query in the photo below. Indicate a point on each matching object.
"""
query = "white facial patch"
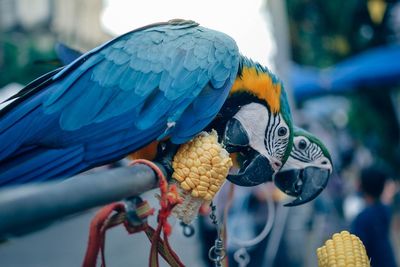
(254, 119)
(306, 155)
(293, 163)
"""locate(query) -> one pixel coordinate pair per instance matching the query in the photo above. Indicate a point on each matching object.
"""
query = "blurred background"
(340, 62)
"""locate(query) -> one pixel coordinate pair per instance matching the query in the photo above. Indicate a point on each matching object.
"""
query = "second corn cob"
(343, 250)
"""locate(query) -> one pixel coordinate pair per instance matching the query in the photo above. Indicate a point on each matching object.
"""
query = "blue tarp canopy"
(378, 66)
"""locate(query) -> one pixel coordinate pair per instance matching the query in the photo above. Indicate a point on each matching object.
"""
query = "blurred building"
(29, 30)
(78, 22)
(71, 21)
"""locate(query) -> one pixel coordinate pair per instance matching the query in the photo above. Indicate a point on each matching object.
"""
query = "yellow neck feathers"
(259, 84)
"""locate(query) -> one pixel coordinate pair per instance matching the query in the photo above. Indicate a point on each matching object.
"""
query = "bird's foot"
(165, 155)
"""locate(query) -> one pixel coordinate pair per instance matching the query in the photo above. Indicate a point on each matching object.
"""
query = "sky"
(246, 21)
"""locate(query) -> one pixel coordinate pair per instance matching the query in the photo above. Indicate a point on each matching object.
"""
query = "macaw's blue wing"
(165, 80)
(66, 54)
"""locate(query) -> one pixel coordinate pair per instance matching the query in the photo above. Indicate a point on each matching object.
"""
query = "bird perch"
(26, 208)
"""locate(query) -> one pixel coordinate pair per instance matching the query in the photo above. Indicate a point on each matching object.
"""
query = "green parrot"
(307, 170)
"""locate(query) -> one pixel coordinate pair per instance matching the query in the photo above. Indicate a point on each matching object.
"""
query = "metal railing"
(26, 208)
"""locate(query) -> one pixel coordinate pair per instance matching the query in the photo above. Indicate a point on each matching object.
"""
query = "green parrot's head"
(307, 171)
(259, 125)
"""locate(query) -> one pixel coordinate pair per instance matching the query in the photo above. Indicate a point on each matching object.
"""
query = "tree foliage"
(323, 33)
(25, 56)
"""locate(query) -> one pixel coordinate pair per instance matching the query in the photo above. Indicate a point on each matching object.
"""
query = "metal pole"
(27, 208)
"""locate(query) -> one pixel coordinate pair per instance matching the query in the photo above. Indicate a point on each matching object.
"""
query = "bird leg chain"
(217, 252)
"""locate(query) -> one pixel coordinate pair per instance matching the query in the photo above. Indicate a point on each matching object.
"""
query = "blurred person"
(372, 225)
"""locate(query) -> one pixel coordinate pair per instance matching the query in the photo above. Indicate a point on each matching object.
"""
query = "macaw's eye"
(302, 144)
(324, 162)
(282, 131)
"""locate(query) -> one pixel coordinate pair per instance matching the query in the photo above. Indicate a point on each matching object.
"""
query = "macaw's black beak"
(255, 168)
(304, 184)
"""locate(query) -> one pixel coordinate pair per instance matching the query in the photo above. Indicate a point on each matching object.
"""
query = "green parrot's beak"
(304, 184)
(255, 168)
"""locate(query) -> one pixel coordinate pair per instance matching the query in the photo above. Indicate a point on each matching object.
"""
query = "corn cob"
(200, 168)
(343, 250)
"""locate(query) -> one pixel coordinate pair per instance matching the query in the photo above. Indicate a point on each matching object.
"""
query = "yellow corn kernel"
(185, 171)
(215, 160)
(207, 154)
(178, 177)
(197, 163)
(179, 172)
(344, 249)
(185, 186)
(214, 188)
(213, 174)
(206, 146)
(202, 170)
(214, 152)
(193, 174)
(199, 150)
(195, 193)
(213, 181)
(198, 143)
(202, 188)
(205, 184)
(190, 183)
(208, 197)
(204, 159)
(204, 178)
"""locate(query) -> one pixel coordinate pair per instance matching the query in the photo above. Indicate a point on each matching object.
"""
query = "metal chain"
(217, 252)
(188, 229)
(213, 215)
(242, 257)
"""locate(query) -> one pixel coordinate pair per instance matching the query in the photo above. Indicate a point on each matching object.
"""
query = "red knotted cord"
(115, 214)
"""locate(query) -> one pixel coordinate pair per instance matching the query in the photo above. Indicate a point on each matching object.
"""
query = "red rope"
(168, 200)
(103, 220)
(98, 228)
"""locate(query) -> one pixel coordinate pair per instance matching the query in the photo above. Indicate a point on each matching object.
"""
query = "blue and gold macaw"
(307, 170)
(164, 82)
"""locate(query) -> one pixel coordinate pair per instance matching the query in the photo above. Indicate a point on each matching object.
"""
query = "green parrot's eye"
(302, 144)
(282, 131)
